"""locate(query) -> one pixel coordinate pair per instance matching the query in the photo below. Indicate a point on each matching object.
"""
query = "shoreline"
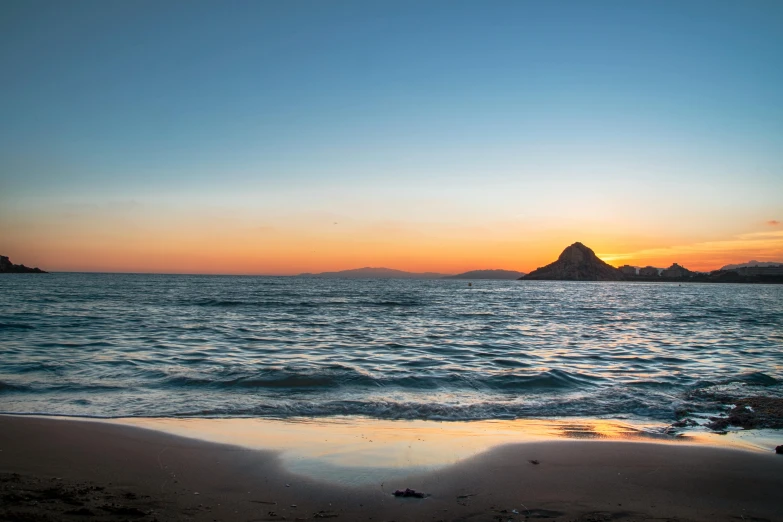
(430, 439)
(118, 471)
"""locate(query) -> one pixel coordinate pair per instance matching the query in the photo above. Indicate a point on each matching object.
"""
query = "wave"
(612, 404)
(273, 380)
(278, 398)
(603, 405)
(552, 379)
(88, 344)
(753, 379)
(350, 378)
(391, 303)
(16, 326)
(756, 379)
(8, 387)
(227, 303)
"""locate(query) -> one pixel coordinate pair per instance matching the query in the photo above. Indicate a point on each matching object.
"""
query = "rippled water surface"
(114, 345)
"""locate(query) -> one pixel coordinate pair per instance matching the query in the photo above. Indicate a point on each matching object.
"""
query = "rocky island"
(576, 263)
(6, 267)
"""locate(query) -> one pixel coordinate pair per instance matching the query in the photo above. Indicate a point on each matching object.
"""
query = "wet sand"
(52, 469)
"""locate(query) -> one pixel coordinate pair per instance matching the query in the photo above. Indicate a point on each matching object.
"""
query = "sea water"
(130, 345)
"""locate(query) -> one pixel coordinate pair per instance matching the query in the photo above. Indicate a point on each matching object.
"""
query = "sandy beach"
(53, 469)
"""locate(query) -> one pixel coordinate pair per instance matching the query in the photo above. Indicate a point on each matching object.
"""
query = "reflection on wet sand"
(356, 450)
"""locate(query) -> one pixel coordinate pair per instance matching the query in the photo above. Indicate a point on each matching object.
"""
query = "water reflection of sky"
(359, 450)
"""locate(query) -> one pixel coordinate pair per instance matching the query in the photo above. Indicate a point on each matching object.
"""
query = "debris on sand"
(123, 510)
(409, 493)
(30, 498)
(535, 462)
(779, 449)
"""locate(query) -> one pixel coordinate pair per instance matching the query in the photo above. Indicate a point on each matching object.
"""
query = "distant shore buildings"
(648, 271)
(675, 272)
(579, 263)
(760, 270)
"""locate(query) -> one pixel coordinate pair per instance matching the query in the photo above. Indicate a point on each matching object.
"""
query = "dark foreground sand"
(54, 469)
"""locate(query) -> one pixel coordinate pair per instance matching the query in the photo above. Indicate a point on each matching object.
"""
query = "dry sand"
(53, 469)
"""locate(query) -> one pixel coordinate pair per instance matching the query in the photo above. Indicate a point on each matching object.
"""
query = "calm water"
(152, 345)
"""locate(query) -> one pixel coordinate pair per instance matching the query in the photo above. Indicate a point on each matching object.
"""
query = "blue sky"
(411, 112)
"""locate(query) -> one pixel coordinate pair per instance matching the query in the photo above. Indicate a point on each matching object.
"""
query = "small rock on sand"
(409, 493)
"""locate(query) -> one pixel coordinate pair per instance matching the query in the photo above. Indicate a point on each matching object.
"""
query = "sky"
(267, 137)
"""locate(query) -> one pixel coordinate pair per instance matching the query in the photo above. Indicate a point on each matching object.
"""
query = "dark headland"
(6, 267)
(579, 263)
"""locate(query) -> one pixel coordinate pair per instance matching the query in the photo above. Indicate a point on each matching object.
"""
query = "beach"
(55, 469)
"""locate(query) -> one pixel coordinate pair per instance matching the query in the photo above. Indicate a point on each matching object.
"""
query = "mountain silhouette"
(376, 273)
(752, 263)
(488, 274)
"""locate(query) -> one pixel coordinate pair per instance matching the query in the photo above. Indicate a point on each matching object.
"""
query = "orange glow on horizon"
(290, 252)
(159, 240)
(707, 255)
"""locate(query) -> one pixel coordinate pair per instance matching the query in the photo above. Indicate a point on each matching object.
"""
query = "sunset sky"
(266, 137)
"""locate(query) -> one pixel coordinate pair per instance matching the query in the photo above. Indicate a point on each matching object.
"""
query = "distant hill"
(488, 274)
(376, 273)
(752, 263)
(6, 266)
(576, 263)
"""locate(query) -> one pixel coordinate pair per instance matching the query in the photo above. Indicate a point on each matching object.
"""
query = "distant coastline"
(390, 273)
(579, 263)
(576, 263)
(488, 274)
(716, 276)
(375, 273)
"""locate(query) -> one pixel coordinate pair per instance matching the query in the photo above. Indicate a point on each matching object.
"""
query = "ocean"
(132, 345)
